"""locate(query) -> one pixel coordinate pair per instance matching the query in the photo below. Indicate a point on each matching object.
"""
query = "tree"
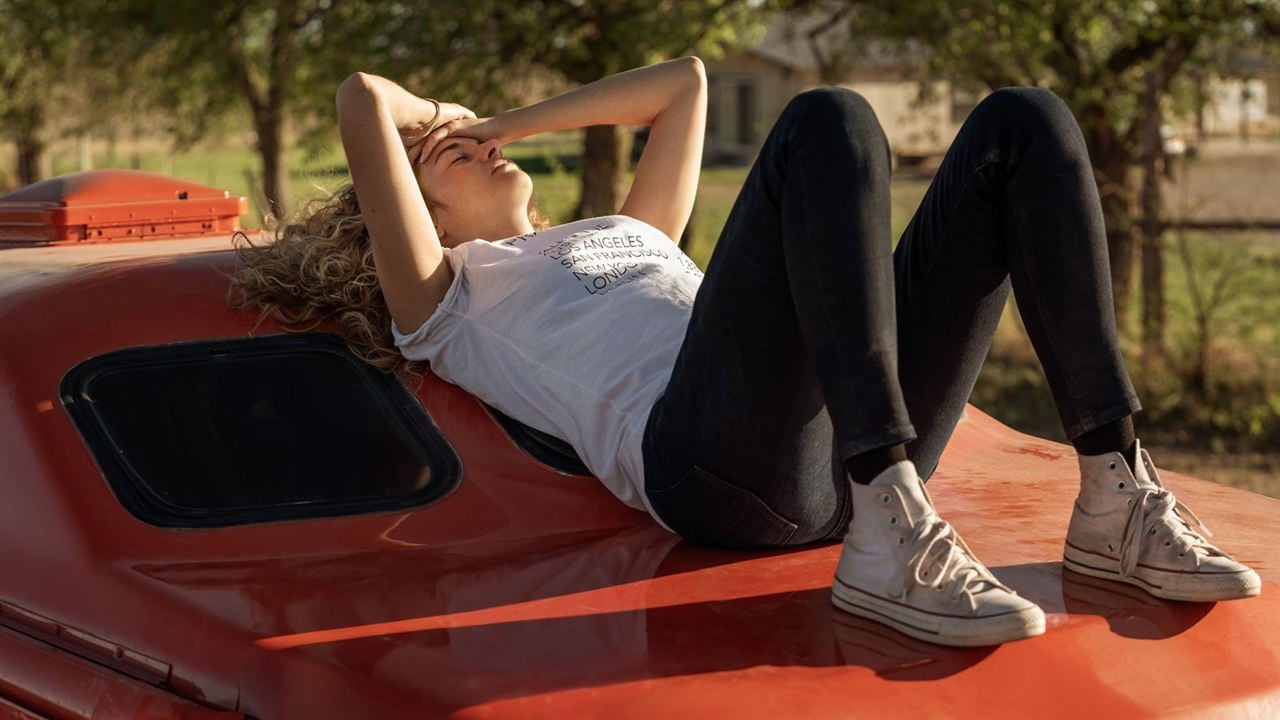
(1112, 61)
(45, 85)
(280, 61)
(1151, 223)
(585, 40)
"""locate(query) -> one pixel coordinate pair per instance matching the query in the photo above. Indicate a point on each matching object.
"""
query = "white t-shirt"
(572, 330)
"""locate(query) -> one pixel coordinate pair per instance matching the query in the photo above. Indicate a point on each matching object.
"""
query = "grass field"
(1236, 441)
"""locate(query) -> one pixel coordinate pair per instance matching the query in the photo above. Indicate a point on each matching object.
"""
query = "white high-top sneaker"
(1127, 526)
(904, 566)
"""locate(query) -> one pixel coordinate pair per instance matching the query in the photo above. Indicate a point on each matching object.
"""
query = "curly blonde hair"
(321, 267)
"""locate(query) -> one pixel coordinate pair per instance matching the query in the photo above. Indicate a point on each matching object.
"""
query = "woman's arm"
(631, 97)
(671, 97)
(406, 248)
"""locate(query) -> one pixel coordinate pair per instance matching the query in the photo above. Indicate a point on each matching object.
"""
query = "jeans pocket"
(703, 508)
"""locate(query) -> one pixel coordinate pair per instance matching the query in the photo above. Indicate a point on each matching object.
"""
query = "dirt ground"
(1255, 472)
(1228, 180)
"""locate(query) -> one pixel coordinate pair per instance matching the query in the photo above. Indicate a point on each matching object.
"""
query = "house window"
(248, 430)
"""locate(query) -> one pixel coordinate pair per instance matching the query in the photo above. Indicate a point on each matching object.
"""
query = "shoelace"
(959, 566)
(1149, 507)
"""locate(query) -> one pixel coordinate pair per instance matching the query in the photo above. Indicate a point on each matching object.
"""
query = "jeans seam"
(864, 443)
(1042, 309)
(950, 223)
(808, 252)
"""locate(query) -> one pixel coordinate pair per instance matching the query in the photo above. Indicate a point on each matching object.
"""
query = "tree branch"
(236, 63)
(825, 69)
(1167, 69)
(1073, 68)
(1140, 50)
(280, 54)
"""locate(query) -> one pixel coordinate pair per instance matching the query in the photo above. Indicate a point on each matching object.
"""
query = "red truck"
(203, 520)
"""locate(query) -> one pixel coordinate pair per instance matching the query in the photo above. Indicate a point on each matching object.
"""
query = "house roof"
(787, 43)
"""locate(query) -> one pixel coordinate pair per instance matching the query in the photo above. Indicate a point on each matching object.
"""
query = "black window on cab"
(229, 432)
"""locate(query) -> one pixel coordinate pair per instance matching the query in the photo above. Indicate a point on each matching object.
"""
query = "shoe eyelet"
(1167, 543)
(885, 498)
(1121, 486)
(1181, 554)
(1113, 466)
(893, 519)
(1110, 549)
(1153, 531)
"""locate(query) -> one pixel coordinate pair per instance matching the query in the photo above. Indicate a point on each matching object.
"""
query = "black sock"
(865, 466)
(1114, 436)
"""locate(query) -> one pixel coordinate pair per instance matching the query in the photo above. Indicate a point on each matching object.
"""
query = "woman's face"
(474, 192)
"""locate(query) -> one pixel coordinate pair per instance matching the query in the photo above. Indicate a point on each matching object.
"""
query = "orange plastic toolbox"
(114, 205)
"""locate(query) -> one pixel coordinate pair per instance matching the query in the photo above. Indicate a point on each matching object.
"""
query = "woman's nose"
(489, 149)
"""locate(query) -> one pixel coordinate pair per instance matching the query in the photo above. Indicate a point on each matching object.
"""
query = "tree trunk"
(1118, 211)
(1153, 315)
(603, 163)
(135, 155)
(85, 146)
(113, 138)
(1199, 381)
(1152, 225)
(1201, 103)
(1245, 96)
(31, 160)
(275, 172)
(1112, 165)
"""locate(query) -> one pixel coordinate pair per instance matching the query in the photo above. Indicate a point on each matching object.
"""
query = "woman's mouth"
(500, 164)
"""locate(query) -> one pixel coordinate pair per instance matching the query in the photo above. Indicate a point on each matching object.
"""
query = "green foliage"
(1091, 52)
(1240, 410)
(585, 40)
(49, 85)
(205, 60)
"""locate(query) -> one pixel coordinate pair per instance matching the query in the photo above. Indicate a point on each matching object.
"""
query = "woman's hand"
(481, 129)
(425, 121)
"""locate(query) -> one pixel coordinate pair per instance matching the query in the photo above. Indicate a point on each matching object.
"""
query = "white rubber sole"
(936, 627)
(1185, 586)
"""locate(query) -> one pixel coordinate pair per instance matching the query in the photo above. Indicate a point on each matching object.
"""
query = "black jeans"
(809, 342)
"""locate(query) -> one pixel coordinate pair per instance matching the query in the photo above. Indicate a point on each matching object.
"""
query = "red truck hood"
(631, 622)
(529, 593)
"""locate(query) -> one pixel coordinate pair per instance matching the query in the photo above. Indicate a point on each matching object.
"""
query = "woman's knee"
(1026, 101)
(834, 111)
(1038, 109)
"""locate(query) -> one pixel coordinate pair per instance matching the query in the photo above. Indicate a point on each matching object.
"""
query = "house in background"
(1247, 102)
(749, 89)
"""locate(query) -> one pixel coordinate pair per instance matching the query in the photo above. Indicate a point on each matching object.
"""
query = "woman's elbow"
(355, 83)
(697, 71)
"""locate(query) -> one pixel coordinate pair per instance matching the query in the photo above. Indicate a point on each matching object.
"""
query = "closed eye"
(453, 146)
